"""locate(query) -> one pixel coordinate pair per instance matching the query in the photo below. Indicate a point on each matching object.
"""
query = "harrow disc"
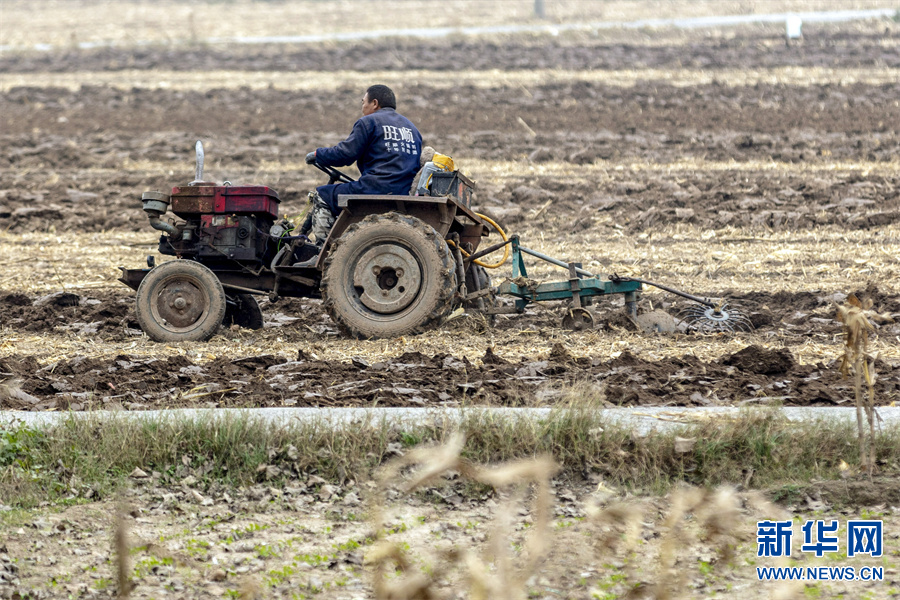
(717, 319)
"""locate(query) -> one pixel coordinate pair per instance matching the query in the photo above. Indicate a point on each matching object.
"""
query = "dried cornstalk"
(857, 319)
(717, 515)
(621, 525)
(537, 471)
(124, 584)
(670, 580)
(506, 581)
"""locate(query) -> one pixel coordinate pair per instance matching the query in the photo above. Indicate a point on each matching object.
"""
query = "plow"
(391, 265)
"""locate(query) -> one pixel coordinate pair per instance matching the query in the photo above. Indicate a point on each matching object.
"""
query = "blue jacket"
(385, 146)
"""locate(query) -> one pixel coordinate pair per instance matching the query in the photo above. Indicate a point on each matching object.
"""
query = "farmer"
(385, 146)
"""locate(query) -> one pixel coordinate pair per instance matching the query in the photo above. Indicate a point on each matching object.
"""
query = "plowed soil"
(733, 141)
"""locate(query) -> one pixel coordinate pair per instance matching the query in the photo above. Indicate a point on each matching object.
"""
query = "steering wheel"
(333, 174)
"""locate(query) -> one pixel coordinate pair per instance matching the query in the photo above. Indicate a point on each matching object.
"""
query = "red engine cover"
(190, 201)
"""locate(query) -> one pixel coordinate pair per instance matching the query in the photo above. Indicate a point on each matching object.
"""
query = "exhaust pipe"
(155, 205)
(198, 175)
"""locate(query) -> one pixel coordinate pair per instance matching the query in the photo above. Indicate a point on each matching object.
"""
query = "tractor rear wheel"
(180, 300)
(388, 275)
(243, 310)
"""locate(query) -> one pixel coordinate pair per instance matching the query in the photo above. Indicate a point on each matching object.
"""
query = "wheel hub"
(578, 319)
(388, 278)
(181, 303)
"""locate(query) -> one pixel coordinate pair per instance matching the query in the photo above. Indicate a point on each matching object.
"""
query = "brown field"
(718, 161)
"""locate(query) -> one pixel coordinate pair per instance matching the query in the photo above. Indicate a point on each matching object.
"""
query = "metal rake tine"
(741, 320)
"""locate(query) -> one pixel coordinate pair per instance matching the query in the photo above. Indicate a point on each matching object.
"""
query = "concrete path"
(642, 419)
(555, 29)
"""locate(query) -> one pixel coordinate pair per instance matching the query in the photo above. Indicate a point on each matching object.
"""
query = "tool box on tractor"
(453, 184)
(391, 265)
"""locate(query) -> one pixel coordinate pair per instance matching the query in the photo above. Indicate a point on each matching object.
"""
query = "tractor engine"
(222, 223)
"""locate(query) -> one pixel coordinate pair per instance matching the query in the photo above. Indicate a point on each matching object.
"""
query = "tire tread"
(447, 276)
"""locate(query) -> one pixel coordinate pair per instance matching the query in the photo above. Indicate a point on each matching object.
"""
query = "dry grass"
(602, 170)
(499, 171)
(322, 82)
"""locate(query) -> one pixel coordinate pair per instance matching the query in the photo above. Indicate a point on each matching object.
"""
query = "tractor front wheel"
(388, 275)
(179, 301)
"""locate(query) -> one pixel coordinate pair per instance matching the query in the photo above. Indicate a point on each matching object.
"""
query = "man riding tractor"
(386, 148)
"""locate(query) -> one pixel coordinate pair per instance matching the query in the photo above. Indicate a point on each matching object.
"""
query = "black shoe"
(309, 263)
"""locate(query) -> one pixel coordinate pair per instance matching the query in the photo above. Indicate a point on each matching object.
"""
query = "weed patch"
(86, 458)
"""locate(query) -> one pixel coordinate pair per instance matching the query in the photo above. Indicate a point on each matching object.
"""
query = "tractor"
(391, 265)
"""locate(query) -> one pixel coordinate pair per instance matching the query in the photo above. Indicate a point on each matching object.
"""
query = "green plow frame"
(580, 288)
